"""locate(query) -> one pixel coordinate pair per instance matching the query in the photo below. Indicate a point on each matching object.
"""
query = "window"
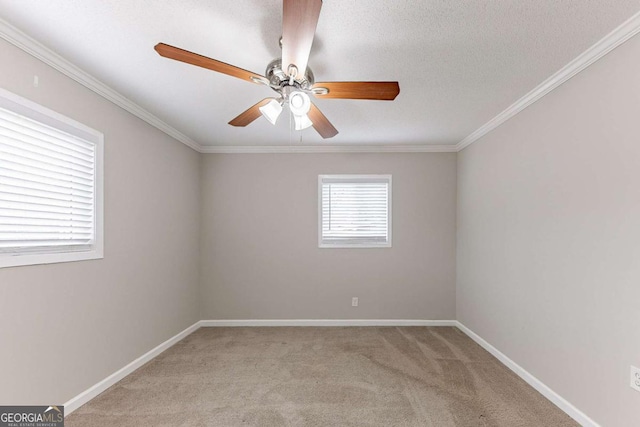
(354, 211)
(50, 186)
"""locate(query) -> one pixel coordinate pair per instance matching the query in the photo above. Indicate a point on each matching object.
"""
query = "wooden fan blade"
(249, 115)
(182, 55)
(382, 91)
(299, 21)
(320, 123)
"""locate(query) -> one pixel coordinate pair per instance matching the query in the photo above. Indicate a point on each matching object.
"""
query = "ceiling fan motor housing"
(278, 79)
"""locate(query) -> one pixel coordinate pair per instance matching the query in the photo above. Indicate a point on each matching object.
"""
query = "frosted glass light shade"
(302, 122)
(271, 111)
(299, 103)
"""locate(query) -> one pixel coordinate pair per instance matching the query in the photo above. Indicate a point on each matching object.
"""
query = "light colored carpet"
(355, 376)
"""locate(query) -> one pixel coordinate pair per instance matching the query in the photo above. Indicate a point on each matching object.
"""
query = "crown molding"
(615, 38)
(310, 149)
(618, 36)
(36, 49)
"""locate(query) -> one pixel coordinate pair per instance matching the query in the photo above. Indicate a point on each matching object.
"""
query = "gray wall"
(548, 213)
(64, 327)
(549, 238)
(260, 255)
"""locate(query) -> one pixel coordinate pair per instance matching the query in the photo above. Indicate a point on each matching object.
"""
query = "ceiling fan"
(289, 76)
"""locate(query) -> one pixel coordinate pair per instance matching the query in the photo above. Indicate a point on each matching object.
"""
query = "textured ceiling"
(459, 63)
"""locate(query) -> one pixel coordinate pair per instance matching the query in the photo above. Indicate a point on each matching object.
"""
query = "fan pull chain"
(290, 128)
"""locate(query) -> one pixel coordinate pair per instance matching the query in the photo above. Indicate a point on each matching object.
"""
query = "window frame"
(367, 245)
(44, 255)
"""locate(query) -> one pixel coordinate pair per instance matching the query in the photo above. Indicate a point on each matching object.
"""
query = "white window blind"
(48, 188)
(355, 210)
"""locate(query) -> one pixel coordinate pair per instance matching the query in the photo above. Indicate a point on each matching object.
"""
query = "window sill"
(355, 246)
(18, 260)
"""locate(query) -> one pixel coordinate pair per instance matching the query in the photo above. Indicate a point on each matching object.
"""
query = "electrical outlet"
(635, 378)
(354, 302)
(36, 81)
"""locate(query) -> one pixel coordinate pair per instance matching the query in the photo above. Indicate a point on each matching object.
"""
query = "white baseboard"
(84, 397)
(76, 402)
(554, 397)
(326, 322)
(558, 400)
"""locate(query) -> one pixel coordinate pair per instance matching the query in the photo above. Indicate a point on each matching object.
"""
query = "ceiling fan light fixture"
(290, 75)
(293, 73)
(301, 122)
(299, 103)
(271, 111)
